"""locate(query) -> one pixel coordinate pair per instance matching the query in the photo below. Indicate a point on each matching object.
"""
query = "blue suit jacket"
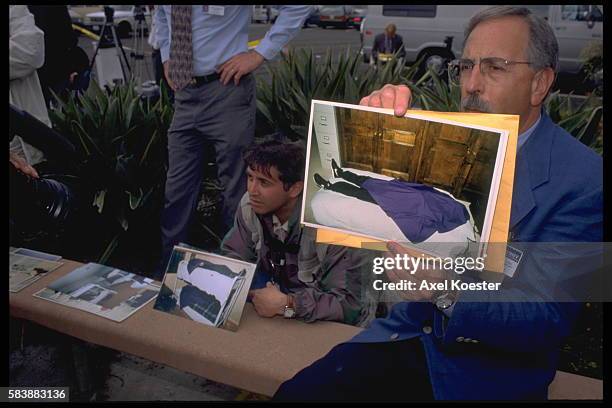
(504, 350)
(397, 43)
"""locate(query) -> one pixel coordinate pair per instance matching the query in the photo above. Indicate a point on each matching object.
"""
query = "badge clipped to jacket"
(513, 259)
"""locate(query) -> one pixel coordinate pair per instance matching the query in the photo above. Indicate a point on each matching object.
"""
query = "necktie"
(181, 69)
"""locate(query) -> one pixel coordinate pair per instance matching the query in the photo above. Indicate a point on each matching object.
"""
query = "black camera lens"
(39, 201)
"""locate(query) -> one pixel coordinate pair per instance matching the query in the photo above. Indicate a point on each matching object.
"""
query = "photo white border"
(496, 177)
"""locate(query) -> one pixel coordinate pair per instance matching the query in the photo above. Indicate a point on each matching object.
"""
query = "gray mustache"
(472, 101)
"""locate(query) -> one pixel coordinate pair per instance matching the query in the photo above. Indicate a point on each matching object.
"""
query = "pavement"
(132, 378)
(39, 357)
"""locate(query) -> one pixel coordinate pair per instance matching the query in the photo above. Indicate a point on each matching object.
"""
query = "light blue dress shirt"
(216, 38)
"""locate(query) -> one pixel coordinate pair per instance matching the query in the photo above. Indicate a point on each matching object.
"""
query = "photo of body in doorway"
(417, 181)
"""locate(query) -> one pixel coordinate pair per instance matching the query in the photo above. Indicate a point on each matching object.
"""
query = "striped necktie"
(181, 65)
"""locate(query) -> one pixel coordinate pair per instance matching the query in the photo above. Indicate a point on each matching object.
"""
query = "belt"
(201, 80)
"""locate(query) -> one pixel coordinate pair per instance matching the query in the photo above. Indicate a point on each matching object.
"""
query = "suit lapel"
(522, 196)
(532, 169)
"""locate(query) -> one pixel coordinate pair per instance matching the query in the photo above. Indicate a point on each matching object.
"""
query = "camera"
(139, 13)
(56, 201)
(109, 13)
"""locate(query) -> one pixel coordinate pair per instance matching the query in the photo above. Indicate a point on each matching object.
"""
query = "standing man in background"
(388, 42)
(207, 64)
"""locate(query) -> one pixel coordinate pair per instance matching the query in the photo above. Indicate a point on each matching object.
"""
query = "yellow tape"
(253, 44)
(86, 32)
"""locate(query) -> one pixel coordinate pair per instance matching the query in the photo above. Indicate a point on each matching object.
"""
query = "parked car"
(335, 16)
(78, 13)
(358, 14)
(123, 18)
(427, 30)
(75, 17)
(313, 18)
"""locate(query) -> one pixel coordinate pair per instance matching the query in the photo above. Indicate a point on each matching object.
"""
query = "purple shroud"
(417, 209)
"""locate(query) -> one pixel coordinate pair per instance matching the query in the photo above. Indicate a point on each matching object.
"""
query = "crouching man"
(295, 277)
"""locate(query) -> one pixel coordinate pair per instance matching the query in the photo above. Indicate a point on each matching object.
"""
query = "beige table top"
(258, 357)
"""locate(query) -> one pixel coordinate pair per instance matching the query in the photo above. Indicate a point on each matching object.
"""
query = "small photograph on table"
(25, 270)
(102, 290)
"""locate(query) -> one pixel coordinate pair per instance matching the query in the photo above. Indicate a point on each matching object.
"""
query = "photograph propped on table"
(204, 287)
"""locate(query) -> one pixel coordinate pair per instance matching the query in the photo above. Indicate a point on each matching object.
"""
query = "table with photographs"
(257, 357)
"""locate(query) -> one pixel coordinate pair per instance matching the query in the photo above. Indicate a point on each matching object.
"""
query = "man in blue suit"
(478, 345)
(388, 42)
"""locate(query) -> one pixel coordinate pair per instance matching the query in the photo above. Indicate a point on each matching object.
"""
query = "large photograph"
(207, 288)
(431, 184)
(102, 290)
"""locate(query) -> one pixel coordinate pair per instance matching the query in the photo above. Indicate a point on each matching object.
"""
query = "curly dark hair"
(288, 158)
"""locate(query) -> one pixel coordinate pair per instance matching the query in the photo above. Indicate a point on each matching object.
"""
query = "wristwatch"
(289, 310)
(445, 300)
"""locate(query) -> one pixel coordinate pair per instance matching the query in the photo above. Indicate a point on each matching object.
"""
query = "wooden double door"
(456, 159)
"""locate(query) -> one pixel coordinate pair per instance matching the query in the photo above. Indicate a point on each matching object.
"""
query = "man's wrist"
(289, 309)
(258, 55)
(445, 299)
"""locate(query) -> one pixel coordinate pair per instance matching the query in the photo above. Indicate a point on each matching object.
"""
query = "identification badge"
(214, 10)
(513, 258)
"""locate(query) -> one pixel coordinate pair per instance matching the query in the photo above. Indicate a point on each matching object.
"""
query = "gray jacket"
(327, 281)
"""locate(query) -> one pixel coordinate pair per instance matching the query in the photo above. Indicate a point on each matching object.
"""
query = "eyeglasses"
(492, 68)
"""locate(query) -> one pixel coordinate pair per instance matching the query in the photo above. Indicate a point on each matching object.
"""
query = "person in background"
(207, 64)
(388, 42)
(58, 71)
(26, 55)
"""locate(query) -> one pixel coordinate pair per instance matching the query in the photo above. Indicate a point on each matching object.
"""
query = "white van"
(427, 30)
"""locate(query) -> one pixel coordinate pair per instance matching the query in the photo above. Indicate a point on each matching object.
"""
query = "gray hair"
(543, 49)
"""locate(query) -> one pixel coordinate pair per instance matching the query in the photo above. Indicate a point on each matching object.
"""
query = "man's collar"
(296, 213)
(277, 224)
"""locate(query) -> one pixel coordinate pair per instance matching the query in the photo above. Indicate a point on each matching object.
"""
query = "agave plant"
(283, 105)
(432, 93)
(125, 136)
(582, 120)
